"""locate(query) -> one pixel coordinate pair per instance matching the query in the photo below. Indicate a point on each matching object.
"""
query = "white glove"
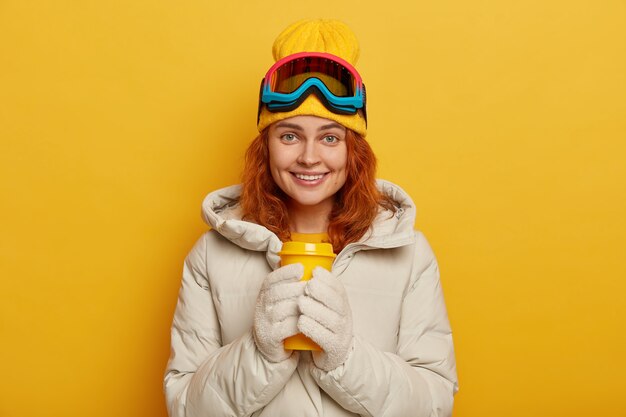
(276, 312)
(327, 319)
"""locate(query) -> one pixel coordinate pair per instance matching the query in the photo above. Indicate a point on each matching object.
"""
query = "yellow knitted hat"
(316, 35)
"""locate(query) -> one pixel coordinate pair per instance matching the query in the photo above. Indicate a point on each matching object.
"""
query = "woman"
(379, 315)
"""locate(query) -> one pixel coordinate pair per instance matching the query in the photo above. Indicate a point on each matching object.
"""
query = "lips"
(309, 177)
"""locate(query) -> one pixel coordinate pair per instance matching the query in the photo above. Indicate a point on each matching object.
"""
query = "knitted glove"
(276, 312)
(326, 319)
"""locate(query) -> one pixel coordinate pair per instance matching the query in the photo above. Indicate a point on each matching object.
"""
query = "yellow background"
(505, 120)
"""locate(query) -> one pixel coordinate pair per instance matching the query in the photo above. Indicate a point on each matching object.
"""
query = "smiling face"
(308, 157)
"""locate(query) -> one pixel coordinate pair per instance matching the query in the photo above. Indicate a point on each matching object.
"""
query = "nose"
(309, 154)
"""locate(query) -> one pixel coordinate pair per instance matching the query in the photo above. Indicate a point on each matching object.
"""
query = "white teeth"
(309, 177)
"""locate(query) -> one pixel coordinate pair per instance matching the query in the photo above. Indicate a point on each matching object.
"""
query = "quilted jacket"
(402, 363)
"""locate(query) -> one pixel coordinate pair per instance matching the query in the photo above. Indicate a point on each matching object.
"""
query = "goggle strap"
(258, 116)
(364, 105)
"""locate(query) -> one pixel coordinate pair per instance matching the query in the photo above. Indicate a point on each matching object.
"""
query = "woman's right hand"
(276, 313)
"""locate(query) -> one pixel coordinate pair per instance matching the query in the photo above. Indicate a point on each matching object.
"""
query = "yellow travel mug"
(310, 255)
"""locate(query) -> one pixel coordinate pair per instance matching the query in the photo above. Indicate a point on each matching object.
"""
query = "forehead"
(308, 123)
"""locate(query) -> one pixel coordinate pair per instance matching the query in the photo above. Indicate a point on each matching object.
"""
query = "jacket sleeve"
(203, 377)
(419, 380)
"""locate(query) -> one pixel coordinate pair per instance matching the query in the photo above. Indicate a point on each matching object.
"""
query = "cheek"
(274, 158)
(278, 165)
(340, 165)
(272, 165)
(274, 171)
(279, 156)
(344, 169)
(278, 170)
(340, 161)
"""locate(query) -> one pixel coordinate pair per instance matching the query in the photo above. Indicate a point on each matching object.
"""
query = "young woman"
(379, 315)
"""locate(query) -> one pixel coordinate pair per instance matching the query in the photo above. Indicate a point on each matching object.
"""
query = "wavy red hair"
(356, 203)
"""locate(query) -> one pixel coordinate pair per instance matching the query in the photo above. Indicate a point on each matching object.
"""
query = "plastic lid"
(307, 248)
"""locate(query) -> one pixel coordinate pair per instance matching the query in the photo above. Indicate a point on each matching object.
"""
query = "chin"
(309, 201)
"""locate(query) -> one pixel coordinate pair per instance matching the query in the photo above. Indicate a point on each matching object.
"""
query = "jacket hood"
(221, 211)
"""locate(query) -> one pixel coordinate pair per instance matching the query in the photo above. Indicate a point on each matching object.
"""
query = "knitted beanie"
(316, 35)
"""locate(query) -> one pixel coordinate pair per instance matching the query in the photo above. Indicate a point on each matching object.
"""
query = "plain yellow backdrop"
(505, 120)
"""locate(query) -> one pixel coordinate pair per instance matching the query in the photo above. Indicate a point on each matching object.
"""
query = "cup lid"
(307, 248)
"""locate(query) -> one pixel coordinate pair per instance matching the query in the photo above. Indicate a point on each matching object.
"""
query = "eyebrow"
(331, 126)
(289, 125)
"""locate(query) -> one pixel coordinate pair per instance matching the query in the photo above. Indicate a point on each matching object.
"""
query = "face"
(308, 157)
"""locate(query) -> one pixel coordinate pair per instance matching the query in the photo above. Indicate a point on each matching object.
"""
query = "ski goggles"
(292, 79)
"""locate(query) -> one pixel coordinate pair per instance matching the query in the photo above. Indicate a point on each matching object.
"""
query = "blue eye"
(330, 139)
(288, 137)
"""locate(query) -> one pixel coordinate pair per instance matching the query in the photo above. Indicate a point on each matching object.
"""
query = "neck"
(310, 219)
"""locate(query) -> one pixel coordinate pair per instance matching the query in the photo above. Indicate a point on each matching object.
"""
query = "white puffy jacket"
(402, 363)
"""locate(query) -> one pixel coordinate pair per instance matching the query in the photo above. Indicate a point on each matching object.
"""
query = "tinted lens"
(292, 74)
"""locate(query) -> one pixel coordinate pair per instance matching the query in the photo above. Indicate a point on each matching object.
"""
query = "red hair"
(356, 203)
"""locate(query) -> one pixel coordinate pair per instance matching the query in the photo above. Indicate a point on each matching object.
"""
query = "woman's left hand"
(327, 319)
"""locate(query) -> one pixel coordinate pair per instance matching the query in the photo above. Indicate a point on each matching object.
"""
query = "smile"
(305, 177)
(309, 179)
